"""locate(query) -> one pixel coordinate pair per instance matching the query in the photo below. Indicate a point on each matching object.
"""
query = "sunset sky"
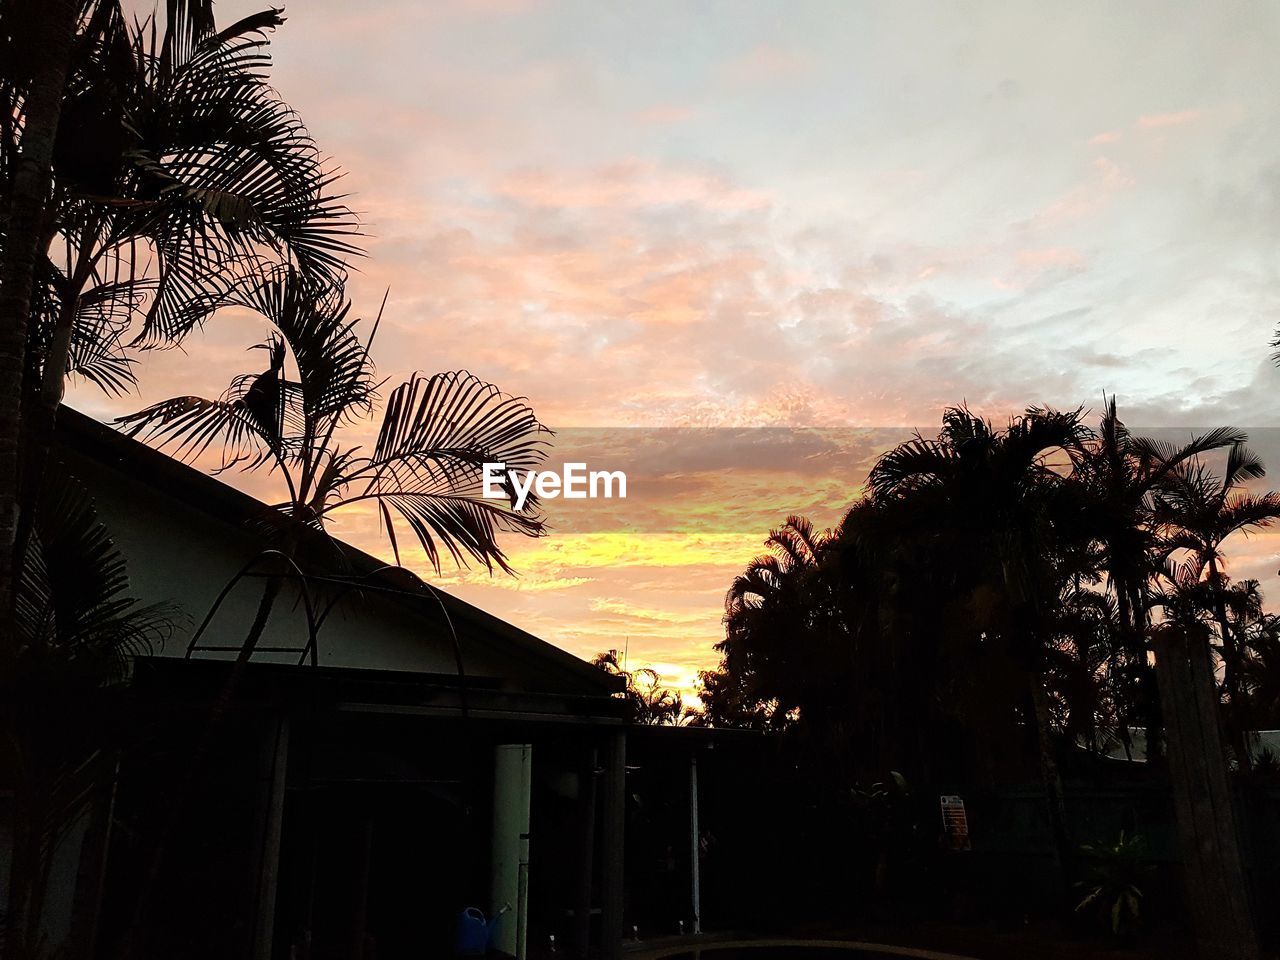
(836, 216)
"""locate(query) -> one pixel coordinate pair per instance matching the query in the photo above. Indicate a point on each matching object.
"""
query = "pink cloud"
(1087, 199)
(664, 114)
(764, 63)
(1152, 121)
(1051, 257)
(628, 184)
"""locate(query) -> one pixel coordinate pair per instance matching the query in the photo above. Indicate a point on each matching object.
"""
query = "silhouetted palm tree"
(1002, 500)
(651, 703)
(1122, 473)
(777, 615)
(36, 43)
(146, 171)
(179, 176)
(77, 632)
(426, 465)
(179, 179)
(1080, 662)
(1201, 510)
(1261, 669)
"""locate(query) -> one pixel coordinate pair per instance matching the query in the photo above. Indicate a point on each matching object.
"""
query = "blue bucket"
(472, 936)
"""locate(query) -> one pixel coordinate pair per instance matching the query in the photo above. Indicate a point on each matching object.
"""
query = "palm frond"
(71, 603)
(466, 527)
(193, 424)
(427, 465)
(335, 377)
(1242, 465)
(457, 422)
(915, 463)
(1248, 512)
(212, 169)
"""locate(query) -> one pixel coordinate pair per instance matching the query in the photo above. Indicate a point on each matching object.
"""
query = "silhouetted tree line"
(994, 594)
(650, 702)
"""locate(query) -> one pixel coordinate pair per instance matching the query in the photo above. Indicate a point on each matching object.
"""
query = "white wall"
(186, 556)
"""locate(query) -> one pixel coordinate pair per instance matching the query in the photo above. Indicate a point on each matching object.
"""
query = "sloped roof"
(100, 442)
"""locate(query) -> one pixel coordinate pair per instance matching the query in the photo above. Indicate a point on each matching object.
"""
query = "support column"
(509, 881)
(586, 854)
(613, 822)
(695, 876)
(360, 882)
(269, 865)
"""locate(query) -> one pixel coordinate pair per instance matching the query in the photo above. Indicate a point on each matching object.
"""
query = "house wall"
(185, 556)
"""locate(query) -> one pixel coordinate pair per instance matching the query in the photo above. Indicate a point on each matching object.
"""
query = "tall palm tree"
(178, 178)
(1200, 510)
(149, 171)
(1122, 473)
(1002, 505)
(179, 174)
(37, 41)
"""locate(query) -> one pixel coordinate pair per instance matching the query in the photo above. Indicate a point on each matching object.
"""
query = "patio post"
(613, 822)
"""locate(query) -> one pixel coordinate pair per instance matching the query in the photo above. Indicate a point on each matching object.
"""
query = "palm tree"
(726, 702)
(1262, 669)
(1121, 473)
(33, 86)
(1081, 672)
(149, 172)
(77, 632)
(426, 465)
(179, 175)
(1001, 503)
(1200, 511)
(37, 46)
(178, 178)
(776, 622)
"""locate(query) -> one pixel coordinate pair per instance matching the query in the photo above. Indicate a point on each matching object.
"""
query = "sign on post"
(955, 824)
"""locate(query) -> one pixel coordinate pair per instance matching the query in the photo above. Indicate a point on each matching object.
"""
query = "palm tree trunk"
(1124, 609)
(52, 33)
(1133, 628)
(1148, 683)
(41, 403)
(1055, 794)
(1237, 726)
(52, 26)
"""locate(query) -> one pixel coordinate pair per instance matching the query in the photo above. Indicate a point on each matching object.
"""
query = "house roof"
(142, 464)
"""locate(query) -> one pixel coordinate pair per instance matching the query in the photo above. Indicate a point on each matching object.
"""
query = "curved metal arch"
(313, 625)
(362, 583)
